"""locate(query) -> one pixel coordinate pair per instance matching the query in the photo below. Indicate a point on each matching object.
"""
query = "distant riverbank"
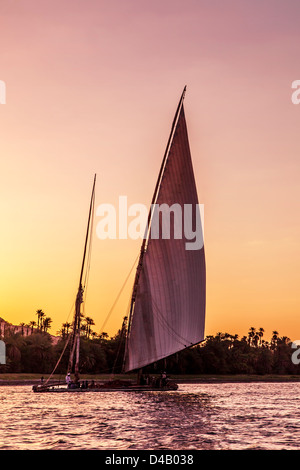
(33, 379)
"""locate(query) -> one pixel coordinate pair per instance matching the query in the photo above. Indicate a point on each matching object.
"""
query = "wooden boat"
(110, 386)
(167, 310)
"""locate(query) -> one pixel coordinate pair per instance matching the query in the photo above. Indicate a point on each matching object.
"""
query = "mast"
(79, 296)
(156, 190)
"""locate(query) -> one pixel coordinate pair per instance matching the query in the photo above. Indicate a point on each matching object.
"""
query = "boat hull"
(37, 389)
(108, 387)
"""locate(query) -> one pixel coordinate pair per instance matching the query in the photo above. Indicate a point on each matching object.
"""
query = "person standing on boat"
(163, 379)
(68, 379)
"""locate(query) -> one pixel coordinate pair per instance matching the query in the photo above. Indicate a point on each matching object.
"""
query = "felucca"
(167, 310)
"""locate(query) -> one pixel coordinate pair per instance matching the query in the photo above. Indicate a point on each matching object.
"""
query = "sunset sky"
(92, 87)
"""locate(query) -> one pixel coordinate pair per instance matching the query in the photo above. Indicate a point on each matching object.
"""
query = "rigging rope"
(164, 324)
(119, 294)
(89, 256)
(60, 357)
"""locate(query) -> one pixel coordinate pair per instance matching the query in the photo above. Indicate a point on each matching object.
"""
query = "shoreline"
(35, 379)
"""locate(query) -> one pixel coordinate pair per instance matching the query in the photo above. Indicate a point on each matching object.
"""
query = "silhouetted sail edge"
(168, 311)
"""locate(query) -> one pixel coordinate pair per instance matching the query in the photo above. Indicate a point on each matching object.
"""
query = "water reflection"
(225, 416)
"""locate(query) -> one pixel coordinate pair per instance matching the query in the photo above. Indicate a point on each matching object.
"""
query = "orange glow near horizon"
(94, 90)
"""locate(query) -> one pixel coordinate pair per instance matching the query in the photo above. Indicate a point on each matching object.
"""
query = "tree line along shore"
(32, 350)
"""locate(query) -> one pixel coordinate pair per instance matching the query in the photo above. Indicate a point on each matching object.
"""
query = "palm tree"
(22, 324)
(83, 328)
(32, 324)
(260, 334)
(219, 336)
(40, 315)
(27, 329)
(255, 339)
(65, 329)
(67, 326)
(251, 334)
(89, 322)
(47, 323)
(274, 339)
(103, 335)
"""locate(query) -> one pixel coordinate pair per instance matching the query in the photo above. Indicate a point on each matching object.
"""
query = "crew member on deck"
(163, 379)
(68, 379)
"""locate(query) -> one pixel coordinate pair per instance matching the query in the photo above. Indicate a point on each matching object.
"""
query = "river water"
(207, 416)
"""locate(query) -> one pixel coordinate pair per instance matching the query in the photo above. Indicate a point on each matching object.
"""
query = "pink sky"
(92, 87)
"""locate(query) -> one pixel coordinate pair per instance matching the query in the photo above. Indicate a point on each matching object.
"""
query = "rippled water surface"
(218, 416)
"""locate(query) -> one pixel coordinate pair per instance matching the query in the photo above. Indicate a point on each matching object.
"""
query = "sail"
(168, 311)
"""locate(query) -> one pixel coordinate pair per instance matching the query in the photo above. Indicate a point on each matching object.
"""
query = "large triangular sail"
(168, 302)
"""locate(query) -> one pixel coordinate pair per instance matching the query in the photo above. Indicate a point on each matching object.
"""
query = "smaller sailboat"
(167, 310)
(74, 338)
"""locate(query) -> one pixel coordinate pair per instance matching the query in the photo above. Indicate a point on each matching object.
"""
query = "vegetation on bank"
(31, 350)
